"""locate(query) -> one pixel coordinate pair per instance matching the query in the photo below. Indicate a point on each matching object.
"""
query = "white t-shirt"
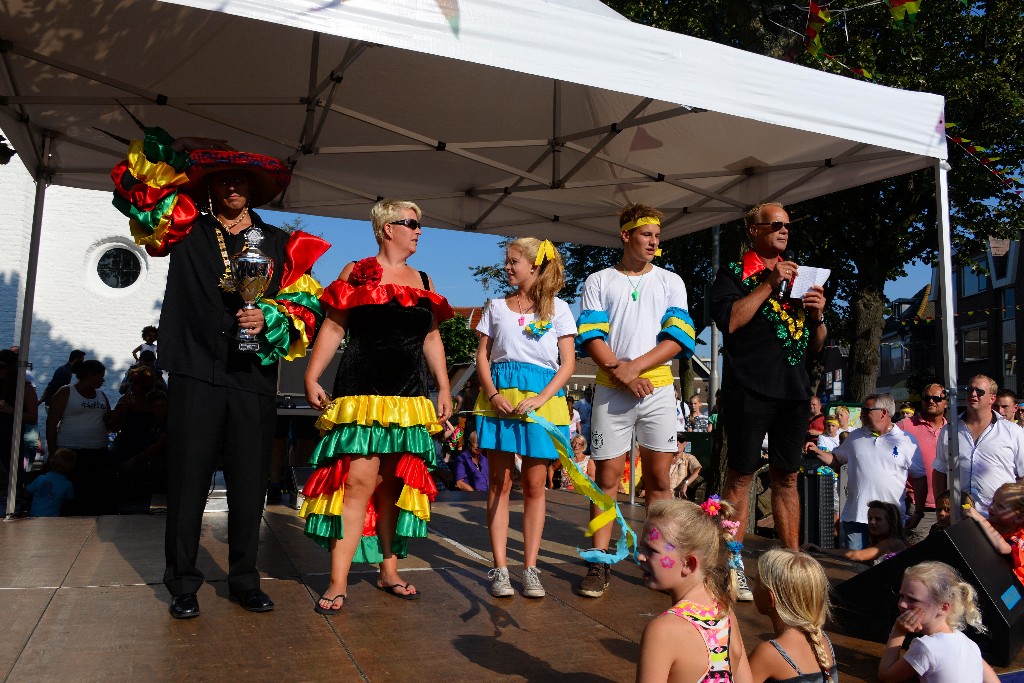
(828, 443)
(997, 458)
(511, 342)
(945, 658)
(877, 469)
(574, 423)
(634, 325)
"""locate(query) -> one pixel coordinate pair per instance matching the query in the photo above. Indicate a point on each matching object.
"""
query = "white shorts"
(617, 413)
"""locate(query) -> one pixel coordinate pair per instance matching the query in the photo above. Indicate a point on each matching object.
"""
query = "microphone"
(787, 255)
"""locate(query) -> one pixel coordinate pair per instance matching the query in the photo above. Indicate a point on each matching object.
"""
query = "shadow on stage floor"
(83, 599)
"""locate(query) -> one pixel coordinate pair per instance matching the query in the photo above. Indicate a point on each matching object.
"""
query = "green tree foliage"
(459, 341)
(868, 235)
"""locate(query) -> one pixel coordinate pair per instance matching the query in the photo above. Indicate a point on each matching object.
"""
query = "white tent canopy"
(512, 118)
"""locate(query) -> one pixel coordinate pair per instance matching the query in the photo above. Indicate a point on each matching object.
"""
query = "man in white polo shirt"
(991, 448)
(880, 455)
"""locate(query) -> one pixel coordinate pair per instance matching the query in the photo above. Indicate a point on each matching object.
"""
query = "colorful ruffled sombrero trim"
(270, 176)
(356, 426)
(341, 295)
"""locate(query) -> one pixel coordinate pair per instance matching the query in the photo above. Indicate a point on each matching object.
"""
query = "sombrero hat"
(269, 176)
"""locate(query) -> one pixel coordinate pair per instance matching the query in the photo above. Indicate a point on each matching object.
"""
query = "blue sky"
(447, 255)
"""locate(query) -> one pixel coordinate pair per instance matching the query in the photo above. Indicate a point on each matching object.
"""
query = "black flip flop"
(390, 590)
(328, 611)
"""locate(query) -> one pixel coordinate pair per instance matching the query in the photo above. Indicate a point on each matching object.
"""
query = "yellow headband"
(646, 220)
(546, 250)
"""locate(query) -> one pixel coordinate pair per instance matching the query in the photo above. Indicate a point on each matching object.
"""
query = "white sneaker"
(531, 583)
(501, 587)
(743, 593)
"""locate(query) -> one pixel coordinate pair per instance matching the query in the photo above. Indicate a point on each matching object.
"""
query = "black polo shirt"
(754, 359)
(197, 322)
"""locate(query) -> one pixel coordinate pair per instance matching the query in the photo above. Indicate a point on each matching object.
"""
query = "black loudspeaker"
(817, 504)
(865, 606)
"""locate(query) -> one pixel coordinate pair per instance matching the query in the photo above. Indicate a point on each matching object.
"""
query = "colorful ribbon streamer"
(583, 484)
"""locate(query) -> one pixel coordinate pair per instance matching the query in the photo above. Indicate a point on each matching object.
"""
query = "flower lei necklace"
(788, 320)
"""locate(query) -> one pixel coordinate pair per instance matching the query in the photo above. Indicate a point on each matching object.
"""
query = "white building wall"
(73, 307)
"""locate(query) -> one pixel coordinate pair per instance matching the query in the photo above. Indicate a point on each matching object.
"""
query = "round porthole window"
(118, 267)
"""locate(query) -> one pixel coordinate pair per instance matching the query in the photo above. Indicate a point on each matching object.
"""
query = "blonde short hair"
(387, 210)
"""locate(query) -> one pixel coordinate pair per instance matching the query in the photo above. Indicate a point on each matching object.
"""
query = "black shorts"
(748, 416)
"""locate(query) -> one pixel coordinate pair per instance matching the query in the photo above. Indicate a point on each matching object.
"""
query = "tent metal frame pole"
(713, 380)
(43, 174)
(948, 331)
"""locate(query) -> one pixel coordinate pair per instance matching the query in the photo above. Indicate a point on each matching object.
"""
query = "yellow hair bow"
(546, 250)
(646, 220)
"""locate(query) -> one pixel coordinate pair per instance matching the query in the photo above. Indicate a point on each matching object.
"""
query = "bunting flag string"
(904, 10)
(817, 18)
(965, 314)
(863, 73)
(980, 154)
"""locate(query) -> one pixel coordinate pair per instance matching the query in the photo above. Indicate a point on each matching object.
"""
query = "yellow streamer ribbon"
(546, 250)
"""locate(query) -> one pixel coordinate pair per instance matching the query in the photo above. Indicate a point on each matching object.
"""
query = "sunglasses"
(868, 410)
(933, 399)
(224, 181)
(976, 391)
(776, 225)
(410, 223)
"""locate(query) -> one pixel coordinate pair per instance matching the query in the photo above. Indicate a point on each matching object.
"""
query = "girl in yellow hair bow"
(523, 369)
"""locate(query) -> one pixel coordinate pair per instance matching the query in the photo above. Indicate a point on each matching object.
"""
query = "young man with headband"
(634, 321)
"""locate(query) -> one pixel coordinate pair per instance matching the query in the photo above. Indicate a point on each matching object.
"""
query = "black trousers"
(207, 426)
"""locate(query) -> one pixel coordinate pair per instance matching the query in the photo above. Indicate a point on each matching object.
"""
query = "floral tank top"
(713, 627)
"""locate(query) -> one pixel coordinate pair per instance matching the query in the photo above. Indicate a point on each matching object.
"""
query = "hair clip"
(712, 505)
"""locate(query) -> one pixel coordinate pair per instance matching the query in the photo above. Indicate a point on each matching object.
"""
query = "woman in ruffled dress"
(379, 423)
(525, 357)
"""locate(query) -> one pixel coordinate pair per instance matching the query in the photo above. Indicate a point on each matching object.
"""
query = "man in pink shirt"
(925, 427)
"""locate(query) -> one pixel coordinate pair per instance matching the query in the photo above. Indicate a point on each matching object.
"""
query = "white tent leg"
(948, 333)
(713, 380)
(43, 173)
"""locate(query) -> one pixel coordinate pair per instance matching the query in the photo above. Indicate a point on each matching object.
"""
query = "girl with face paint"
(684, 552)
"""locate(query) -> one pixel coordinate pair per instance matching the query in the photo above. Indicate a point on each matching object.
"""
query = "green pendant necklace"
(636, 287)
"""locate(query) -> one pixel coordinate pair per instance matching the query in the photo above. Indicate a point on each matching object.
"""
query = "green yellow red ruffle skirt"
(357, 426)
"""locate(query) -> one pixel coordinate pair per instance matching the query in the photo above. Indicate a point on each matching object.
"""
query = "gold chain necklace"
(227, 280)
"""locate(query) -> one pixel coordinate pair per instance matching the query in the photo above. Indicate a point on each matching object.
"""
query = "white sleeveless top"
(82, 426)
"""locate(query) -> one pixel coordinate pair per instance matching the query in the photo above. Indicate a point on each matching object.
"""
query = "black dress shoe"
(185, 606)
(253, 600)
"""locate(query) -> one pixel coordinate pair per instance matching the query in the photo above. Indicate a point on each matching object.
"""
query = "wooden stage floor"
(83, 600)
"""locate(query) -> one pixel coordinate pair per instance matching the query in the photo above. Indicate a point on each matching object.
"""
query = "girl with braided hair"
(685, 552)
(792, 590)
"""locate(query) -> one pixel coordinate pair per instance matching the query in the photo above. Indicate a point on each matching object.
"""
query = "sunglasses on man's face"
(410, 223)
(976, 391)
(777, 225)
(933, 399)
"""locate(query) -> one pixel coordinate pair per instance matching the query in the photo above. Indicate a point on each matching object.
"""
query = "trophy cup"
(252, 270)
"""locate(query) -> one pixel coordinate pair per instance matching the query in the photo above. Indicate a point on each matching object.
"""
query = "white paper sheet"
(806, 277)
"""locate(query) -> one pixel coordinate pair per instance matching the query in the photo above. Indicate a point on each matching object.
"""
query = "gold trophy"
(252, 270)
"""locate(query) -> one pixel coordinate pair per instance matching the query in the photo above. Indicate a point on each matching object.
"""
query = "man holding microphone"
(766, 386)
